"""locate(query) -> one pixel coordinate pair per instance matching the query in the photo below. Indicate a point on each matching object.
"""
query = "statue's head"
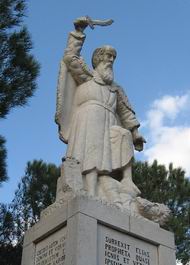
(104, 54)
(102, 61)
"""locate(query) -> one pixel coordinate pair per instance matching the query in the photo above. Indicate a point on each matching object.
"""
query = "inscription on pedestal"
(51, 250)
(116, 248)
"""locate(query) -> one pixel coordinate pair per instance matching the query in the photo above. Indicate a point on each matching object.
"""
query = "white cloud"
(168, 143)
(166, 107)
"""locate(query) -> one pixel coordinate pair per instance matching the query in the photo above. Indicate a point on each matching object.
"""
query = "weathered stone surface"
(86, 231)
(82, 243)
(94, 115)
(99, 125)
(120, 248)
(70, 183)
(51, 250)
(156, 212)
(166, 255)
(28, 254)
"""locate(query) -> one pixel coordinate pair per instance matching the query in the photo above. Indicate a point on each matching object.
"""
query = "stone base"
(82, 231)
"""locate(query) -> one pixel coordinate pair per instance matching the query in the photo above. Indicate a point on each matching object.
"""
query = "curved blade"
(93, 22)
(105, 22)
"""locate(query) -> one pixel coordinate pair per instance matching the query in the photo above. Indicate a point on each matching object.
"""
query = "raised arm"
(75, 63)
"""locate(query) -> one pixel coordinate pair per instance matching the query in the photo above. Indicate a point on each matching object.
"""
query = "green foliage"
(6, 225)
(3, 154)
(10, 255)
(18, 68)
(11, 13)
(18, 73)
(173, 189)
(38, 187)
(35, 192)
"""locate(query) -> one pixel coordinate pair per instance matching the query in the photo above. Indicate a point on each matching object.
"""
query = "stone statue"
(97, 122)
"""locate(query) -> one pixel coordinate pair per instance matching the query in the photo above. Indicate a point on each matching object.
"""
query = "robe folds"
(100, 125)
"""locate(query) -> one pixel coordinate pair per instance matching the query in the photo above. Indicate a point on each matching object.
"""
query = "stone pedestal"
(88, 232)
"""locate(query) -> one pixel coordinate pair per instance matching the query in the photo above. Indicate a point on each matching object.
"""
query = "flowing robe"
(102, 119)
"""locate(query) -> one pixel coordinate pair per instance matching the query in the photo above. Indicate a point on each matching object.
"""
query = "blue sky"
(152, 39)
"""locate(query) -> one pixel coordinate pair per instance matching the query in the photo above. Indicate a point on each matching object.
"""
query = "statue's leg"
(91, 182)
(109, 189)
(122, 156)
(128, 185)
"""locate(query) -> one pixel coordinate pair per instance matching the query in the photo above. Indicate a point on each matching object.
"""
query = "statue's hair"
(99, 52)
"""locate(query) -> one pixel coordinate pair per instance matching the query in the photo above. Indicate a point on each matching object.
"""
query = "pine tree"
(18, 68)
(9, 253)
(171, 188)
(3, 154)
(35, 192)
(38, 187)
(6, 225)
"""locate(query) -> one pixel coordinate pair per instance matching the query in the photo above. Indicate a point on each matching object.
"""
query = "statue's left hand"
(138, 140)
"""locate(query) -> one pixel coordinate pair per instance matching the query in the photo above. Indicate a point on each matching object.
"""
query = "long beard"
(106, 73)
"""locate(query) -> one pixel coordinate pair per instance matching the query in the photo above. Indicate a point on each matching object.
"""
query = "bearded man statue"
(98, 124)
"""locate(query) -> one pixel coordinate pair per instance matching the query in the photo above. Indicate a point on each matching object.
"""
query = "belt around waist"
(94, 102)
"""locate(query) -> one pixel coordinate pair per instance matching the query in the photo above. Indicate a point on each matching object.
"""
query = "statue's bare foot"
(128, 187)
